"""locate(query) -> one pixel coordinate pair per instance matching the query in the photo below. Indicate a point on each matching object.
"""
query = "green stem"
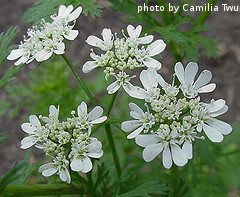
(110, 137)
(79, 79)
(41, 190)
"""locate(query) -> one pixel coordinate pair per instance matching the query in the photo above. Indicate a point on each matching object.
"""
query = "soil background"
(224, 26)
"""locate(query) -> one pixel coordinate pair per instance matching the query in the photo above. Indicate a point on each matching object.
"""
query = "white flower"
(164, 142)
(149, 80)
(47, 38)
(134, 34)
(187, 76)
(87, 120)
(143, 121)
(53, 115)
(36, 132)
(105, 44)
(59, 165)
(82, 153)
(68, 14)
(123, 80)
(145, 55)
(212, 127)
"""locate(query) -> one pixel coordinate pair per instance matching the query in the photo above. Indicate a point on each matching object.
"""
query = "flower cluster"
(122, 55)
(69, 143)
(175, 115)
(47, 38)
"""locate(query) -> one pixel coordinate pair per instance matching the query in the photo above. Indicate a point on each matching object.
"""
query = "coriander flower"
(36, 132)
(143, 121)
(212, 127)
(176, 118)
(59, 165)
(164, 141)
(122, 54)
(47, 38)
(85, 120)
(68, 142)
(82, 152)
(186, 78)
(105, 44)
(134, 34)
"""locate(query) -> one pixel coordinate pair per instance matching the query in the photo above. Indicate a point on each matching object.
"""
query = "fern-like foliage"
(45, 8)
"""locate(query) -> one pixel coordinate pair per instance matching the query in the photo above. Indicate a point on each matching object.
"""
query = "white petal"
(130, 125)
(87, 165)
(187, 149)
(136, 112)
(203, 79)
(46, 166)
(132, 31)
(167, 158)
(208, 88)
(43, 55)
(64, 175)
(28, 128)
(95, 113)
(156, 47)
(60, 47)
(53, 111)
(223, 127)
(22, 60)
(152, 63)
(107, 35)
(75, 14)
(179, 71)
(150, 152)
(49, 172)
(99, 120)
(219, 112)
(71, 35)
(95, 150)
(82, 110)
(61, 10)
(190, 72)
(179, 158)
(216, 105)
(149, 78)
(161, 81)
(76, 164)
(212, 134)
(94, 41)
(113, 87)
(146, 39)
(146, 140)
(89, 66)
(134, 91)
(15, 54)
(27, 142)
(33, 119)
(68, 10)
(135, 133)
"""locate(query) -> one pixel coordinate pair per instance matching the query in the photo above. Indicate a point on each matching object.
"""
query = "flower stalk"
(79, 79)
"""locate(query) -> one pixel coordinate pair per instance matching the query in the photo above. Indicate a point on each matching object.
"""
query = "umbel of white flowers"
(69, 143)
(175, 115)
(121, 55)
(47, 38)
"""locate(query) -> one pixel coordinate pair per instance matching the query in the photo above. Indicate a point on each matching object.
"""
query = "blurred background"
(38, 86)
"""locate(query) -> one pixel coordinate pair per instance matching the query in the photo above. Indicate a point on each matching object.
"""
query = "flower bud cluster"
(69, 142)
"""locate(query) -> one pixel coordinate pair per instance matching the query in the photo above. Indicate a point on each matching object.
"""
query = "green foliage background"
(214, 170)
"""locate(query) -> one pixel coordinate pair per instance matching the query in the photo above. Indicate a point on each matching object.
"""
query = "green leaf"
(43, 9)
(5, 41)
(9, 76)
(18, 173)
(147, 189)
